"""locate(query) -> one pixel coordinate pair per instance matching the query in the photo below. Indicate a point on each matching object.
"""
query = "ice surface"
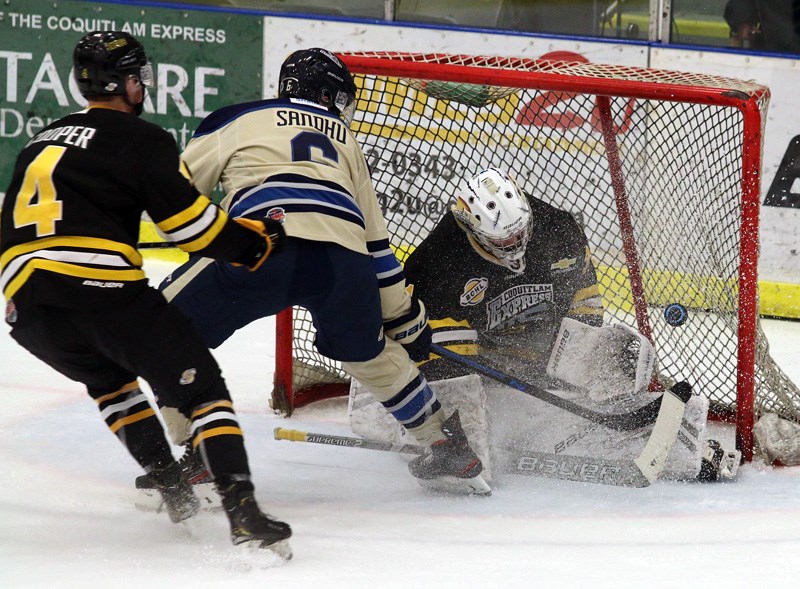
(67, 516)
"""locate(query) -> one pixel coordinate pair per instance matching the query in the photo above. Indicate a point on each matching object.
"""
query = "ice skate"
(249, 525)
(194, 472)
(174, 493)
(451, 465)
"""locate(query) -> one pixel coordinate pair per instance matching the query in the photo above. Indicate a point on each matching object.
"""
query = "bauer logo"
(572, 468)
(474, 291)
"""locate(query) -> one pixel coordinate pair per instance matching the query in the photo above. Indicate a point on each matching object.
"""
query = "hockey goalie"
(509, 280)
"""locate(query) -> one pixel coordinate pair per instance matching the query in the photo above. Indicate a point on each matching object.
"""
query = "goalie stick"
(636, 419)
(639, 472)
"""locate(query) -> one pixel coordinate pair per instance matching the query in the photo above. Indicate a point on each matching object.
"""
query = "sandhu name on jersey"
(327, 125)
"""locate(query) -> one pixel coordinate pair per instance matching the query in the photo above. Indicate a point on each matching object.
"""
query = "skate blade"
(150, 499)
(266, 556)
(476, 485)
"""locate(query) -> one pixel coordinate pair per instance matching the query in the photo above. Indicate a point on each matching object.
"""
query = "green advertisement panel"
(202, 59)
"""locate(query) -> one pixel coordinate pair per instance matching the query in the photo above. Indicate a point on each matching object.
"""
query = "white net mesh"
(681, 171)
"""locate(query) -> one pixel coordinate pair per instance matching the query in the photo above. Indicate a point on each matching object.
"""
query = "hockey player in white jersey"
(293, 159)
(511, 278)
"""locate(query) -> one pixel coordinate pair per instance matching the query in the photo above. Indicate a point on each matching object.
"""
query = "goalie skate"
(451, 465)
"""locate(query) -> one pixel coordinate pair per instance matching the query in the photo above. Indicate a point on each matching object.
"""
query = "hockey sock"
(130, 416)
(217, 436)
(417, 409)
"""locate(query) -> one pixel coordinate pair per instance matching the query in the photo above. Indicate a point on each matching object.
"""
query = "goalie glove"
(612, 363)
(273, 234)
(412, 331)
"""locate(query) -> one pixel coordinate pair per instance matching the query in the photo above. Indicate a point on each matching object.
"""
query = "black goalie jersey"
(515, 313)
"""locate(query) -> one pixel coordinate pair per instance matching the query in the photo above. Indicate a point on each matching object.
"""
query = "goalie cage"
(661, 168)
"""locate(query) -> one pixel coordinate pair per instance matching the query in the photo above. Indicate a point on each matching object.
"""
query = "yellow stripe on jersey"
(586, 293)
(125, 275)
(208, 236)
(184, 170)
(95, 243)
(456, 336)
(462, 349)
(190, 213)
(448, 322)
(196, 226)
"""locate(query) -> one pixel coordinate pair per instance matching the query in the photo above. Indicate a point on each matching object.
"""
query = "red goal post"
(662, 168)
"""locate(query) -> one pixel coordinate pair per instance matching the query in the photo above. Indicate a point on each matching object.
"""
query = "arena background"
(209, 56)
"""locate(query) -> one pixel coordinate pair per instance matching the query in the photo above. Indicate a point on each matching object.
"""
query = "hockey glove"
(273, 234)
(412, 331)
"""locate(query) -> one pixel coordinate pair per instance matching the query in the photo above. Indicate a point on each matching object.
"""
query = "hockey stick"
(639, 472)
(295, 435)
(618, 421)
(155, 245)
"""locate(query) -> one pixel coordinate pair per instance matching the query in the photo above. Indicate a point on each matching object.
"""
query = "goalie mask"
(496, 216)
(319, 76)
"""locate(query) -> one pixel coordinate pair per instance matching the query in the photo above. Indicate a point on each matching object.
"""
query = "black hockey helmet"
(319, 76)
(103, 59)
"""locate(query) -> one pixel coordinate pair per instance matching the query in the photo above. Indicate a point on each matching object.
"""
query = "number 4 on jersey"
(36, 202)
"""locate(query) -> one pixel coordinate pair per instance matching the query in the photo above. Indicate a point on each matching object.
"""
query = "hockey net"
(661, 168)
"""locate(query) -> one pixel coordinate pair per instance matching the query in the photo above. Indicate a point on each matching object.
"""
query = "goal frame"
(636, 83)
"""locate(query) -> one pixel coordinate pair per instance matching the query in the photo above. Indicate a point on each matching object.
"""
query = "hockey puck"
(676, 314)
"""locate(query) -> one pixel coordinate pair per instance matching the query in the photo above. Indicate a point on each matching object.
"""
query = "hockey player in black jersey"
(507, 266)
(77, 297)
(506, 277)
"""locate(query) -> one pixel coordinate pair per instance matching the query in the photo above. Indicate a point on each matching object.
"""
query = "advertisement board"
(205, 59)
(202, 60)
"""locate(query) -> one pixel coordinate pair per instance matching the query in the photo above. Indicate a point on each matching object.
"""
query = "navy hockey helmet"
(319, 76)
(103, 60)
